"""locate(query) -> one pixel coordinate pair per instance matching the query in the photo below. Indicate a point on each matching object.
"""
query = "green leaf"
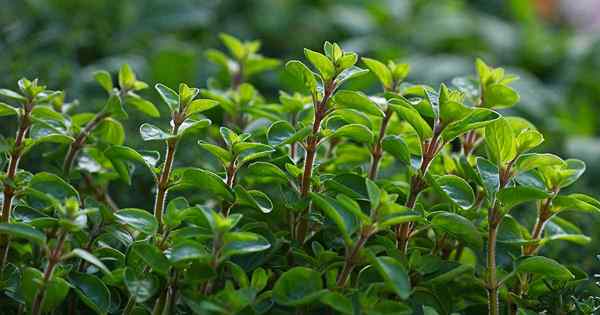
(85, 255)
(141, 286)
(249, 151)
(141, 104)
(259, 279)
(23, 231)
(151, 255)
(104, 79)
(374, 194)
(200, 105)
(476, 118)
(53, 185)
(394, 275)
(345, 220)
(356, 100)
(279, 132)
(394, 145)
(349, 73)
(56, 289)
(490, 176)
(150, 132)
(513, 196)
(529, 139)
(126, 77)
(458, 227)
(188, 251)
(321, 62)
(169, 96)
(268, 171)
(7, 110)
(407, 112)
(254, 198)
(234, 45)
(138, 219)
(223, 155)
(499, 96)
(303, 74)
(575, 168)
(298, 286)
(457, 190)
(356, 132)
(241, 243)
(119, 154)
(190, 126)
(400, 217)
(380, 70)
(530, 161)
(114, 107)
(12, 95)
(207, 181)
(500, 142)
(110, 131)
(338, 302)
(92, 291)
(575, 202)
(544, 266)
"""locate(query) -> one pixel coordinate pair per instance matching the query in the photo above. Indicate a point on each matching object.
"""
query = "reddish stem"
(377, 151)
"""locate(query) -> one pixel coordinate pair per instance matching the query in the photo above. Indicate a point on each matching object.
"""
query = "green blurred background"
(552, 45)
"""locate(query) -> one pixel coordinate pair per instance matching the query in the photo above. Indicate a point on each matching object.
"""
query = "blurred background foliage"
(552, 45)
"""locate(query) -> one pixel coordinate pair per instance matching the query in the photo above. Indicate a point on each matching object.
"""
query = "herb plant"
(408, 201)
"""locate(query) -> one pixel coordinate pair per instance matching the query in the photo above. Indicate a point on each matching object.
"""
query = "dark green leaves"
(92, 291)
(23, 231)
(138, 219)
(457, 190)
(394, 274)
(297, 286)
(545, 267)
(458, 227)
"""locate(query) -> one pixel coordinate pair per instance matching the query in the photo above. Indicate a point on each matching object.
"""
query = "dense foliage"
(330, 200)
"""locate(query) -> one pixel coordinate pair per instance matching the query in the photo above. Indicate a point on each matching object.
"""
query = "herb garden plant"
(328, 200)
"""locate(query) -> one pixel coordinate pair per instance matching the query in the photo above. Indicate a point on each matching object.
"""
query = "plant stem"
(79, 142)
(11, 173)
(129, 306)
(377, 151)
(53, 260)
(494, 220)
(162, 184)
(543, 215)
(417, 184)
(231, 175)
(492, 285)
(350, 259)
(309, 158)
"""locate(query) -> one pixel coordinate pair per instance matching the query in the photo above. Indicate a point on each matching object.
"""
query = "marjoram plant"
(326, 200)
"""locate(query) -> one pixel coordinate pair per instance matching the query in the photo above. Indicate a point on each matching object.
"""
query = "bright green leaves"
(105, 80)
(358, 101)
(150, 132)
(490, 176)
(7, 110)
(576, 202)
(390, 75)
(184, 102)
(458, 227)
(243, 60)
(298, 286)
(500, 142)
(335, 67)
(301, 72)
(323, 64)
(406, 111)
(494, 86)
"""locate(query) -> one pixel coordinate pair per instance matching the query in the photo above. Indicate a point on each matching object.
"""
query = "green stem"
(377, 151)
(79, 142)
(492, 285)
(53, 260)
(309, 158)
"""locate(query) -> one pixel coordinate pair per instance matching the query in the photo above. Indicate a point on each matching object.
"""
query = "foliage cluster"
(329, 200)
